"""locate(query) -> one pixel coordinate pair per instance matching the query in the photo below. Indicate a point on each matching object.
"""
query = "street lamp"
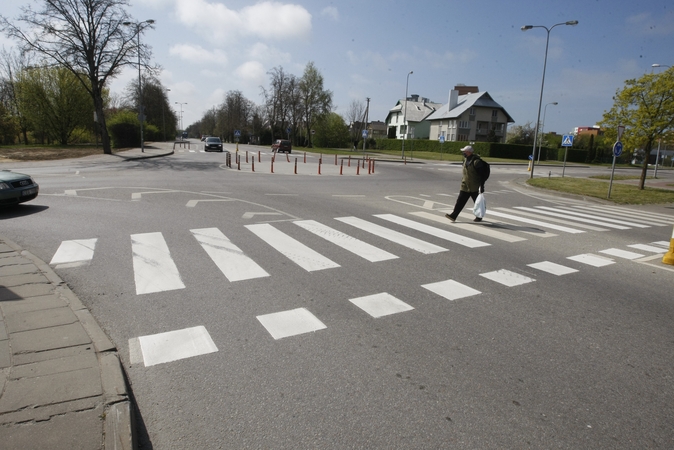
(661, 65)
(540, 142)
(163, 118)
(181, 116)
(545, 62)
(405, 111)
(141, 117)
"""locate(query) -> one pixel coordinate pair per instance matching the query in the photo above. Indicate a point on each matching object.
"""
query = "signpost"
(442, 141)
(567, 141)
(617, 151)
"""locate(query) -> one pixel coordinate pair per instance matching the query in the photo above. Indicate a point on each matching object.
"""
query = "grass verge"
(620, 193)
(47, 152)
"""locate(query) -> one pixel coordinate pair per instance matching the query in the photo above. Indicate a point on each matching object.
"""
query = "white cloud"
(198, 54)
(265, 20)
(252, 73)
(331, 12)
(646, 24)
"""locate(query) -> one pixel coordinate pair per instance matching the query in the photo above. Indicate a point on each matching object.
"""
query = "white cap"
(467, 148)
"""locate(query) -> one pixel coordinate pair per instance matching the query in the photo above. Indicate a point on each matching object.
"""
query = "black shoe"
(477, 219)
(453, 219)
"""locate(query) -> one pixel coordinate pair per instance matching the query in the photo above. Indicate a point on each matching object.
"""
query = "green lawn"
(620, 193)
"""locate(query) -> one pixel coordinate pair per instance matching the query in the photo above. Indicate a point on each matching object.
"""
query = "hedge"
(484, 149)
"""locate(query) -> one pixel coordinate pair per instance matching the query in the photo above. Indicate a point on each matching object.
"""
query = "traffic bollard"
(669, 256)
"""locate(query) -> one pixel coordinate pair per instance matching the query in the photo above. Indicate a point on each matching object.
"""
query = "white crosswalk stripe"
(356, 246)
(507, 277)
(74, 253)
(601, 220)
(153, 267)
(433, 231)
(300, 254)
(539, 223)
(471, 227)
(393, 236)
(553, 268)
(578, 219)
(229, 258)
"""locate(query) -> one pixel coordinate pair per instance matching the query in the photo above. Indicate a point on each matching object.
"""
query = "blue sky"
(366, 48)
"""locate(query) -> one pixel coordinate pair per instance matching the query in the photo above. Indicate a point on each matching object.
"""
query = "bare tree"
(87, 37)
(355, 118)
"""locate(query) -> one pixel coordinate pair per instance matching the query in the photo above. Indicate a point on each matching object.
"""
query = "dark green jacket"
(471, 180)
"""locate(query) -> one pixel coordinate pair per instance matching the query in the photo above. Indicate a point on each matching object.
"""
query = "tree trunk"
(98, 103)
(644, 168)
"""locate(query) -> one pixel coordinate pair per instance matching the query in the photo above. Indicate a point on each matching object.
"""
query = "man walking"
(471, 182)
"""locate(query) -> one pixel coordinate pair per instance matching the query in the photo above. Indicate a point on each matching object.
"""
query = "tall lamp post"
(163, 118)
(405, 111)
(660, 65)
(540, 141)
(545, 62)
(181, 116)
(139, 27)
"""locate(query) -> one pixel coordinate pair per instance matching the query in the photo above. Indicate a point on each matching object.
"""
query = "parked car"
(282, 145)
(213, 143)
(16, 188)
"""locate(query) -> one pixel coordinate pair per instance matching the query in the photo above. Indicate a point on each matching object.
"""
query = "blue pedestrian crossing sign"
(237, 133)
(567, 140)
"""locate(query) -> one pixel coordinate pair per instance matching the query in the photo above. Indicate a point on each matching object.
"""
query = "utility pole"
(365, 134)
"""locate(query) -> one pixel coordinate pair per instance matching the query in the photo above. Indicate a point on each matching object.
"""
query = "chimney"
(453, 99)
(414, 98)
(463, 89)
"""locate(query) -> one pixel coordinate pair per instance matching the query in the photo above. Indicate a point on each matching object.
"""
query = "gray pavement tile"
(61, 365)
(42, 413)
(12, 281)
(57, 433)
(3, 330)
(31, 304)
(49, 338)
(4, 248)
(33, 320)
(29, 358)
(50, 389)
(18, 269)
(7, 259)
(5, 356)
(25, 291)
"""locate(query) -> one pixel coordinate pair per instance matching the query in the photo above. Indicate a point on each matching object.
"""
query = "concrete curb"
(118, 427)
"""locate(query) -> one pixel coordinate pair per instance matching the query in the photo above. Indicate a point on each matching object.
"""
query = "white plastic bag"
(480, 208)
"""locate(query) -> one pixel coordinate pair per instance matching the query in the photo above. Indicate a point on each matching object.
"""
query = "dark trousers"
(461, 201)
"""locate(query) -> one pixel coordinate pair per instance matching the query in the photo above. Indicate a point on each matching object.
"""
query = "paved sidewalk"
(61, 381)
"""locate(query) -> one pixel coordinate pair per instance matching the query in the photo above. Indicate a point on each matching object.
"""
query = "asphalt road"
(273, 310)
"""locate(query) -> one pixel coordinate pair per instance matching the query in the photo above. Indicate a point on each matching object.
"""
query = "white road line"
(630, 212)
(291, 248)
(229, 258)
(356, 246)
(602, 220)
(379, 305)
(621, 253)
(592, 260)
(569, 216)
(535, 222)
(488, 223)
(393, 236)
(290, 323)
(629, 215)
(553, 268)
(450, 289)
(507, 278)
(174, 345)
(574, 224)
(74, 253)
(153, 267)
(433, 231)
(648, 248)
(474, 228)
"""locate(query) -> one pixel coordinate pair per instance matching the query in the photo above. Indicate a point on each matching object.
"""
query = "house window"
(463, 124)
(494, 112)
(463, 137)
(453, 137)
(472, 111)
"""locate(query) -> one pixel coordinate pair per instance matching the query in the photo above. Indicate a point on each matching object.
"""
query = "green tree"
(55, 102)
(315, 100)
(87, 37)
(645, 107)
(521, 134)
(332, 132)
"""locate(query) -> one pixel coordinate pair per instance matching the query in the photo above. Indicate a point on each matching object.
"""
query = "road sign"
(442, 139)
(289, 130)
(617, 149)
(567, 140)
(237, 133)
(364, 134)
(621, 129)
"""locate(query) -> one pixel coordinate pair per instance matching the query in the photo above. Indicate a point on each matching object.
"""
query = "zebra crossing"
(156, 271)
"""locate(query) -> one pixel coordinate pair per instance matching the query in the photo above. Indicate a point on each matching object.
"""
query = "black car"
(282, 145)
(213, 143)
(16, 188)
